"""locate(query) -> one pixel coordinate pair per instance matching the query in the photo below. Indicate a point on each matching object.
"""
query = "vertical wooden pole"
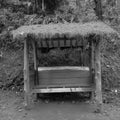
(36, 80)
(98, 76)
(92, 67)
(92, 60)
(26, 75)
(35, 56)
(35, 62)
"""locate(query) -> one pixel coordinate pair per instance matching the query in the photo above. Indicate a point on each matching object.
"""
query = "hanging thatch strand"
(64, 30)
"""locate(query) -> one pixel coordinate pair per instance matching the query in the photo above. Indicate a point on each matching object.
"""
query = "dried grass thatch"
(69, 30)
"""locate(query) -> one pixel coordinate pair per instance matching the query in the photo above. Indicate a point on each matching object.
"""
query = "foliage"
(8, 22)
(65, 57)
(11, 74)
(110, 63)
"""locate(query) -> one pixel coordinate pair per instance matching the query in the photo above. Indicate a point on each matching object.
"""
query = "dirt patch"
(11, 108)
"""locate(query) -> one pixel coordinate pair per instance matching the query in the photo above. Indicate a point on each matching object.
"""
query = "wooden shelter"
(63, 78)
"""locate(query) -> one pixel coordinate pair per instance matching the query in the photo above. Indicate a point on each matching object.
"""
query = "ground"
(11, 108)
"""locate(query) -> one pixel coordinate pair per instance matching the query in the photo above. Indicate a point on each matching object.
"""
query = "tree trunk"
(98, 9)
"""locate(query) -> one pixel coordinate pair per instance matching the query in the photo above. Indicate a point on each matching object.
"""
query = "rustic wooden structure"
(63, 78)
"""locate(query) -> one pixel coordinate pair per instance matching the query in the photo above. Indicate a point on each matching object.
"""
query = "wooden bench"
(63, 78)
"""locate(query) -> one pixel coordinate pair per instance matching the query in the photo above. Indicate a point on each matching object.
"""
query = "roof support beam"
(26, 75)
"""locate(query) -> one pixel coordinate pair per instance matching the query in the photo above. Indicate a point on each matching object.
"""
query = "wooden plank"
(63, 90)
(26, 74)
(76, 42)
(63, 68)
(53, 74)
(68, 43)
(73, 43)
(59, 44)
(39, 44)
(47, 43)
(55, 43)
(62, 43)
(62, 86)
(79, 43)
(79, 40)
(98, 75)
(44, 44)
(64, 81)
(50, 44)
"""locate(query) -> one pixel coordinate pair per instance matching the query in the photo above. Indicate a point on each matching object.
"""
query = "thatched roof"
(61, 30)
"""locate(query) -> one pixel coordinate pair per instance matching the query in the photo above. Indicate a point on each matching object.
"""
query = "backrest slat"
(59, 43)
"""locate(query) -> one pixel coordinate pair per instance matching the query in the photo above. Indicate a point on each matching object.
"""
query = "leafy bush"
(66, 57)
(11, 70)
(110, 63)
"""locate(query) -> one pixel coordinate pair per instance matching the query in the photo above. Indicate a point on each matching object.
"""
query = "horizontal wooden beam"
(63, 90)
(63, 68)
(63, 86)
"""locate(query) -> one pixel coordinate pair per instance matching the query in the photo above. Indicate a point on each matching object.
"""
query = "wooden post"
(35, 62)
(26, 75)
(36, 80)
(92, 67)
(98, 76)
